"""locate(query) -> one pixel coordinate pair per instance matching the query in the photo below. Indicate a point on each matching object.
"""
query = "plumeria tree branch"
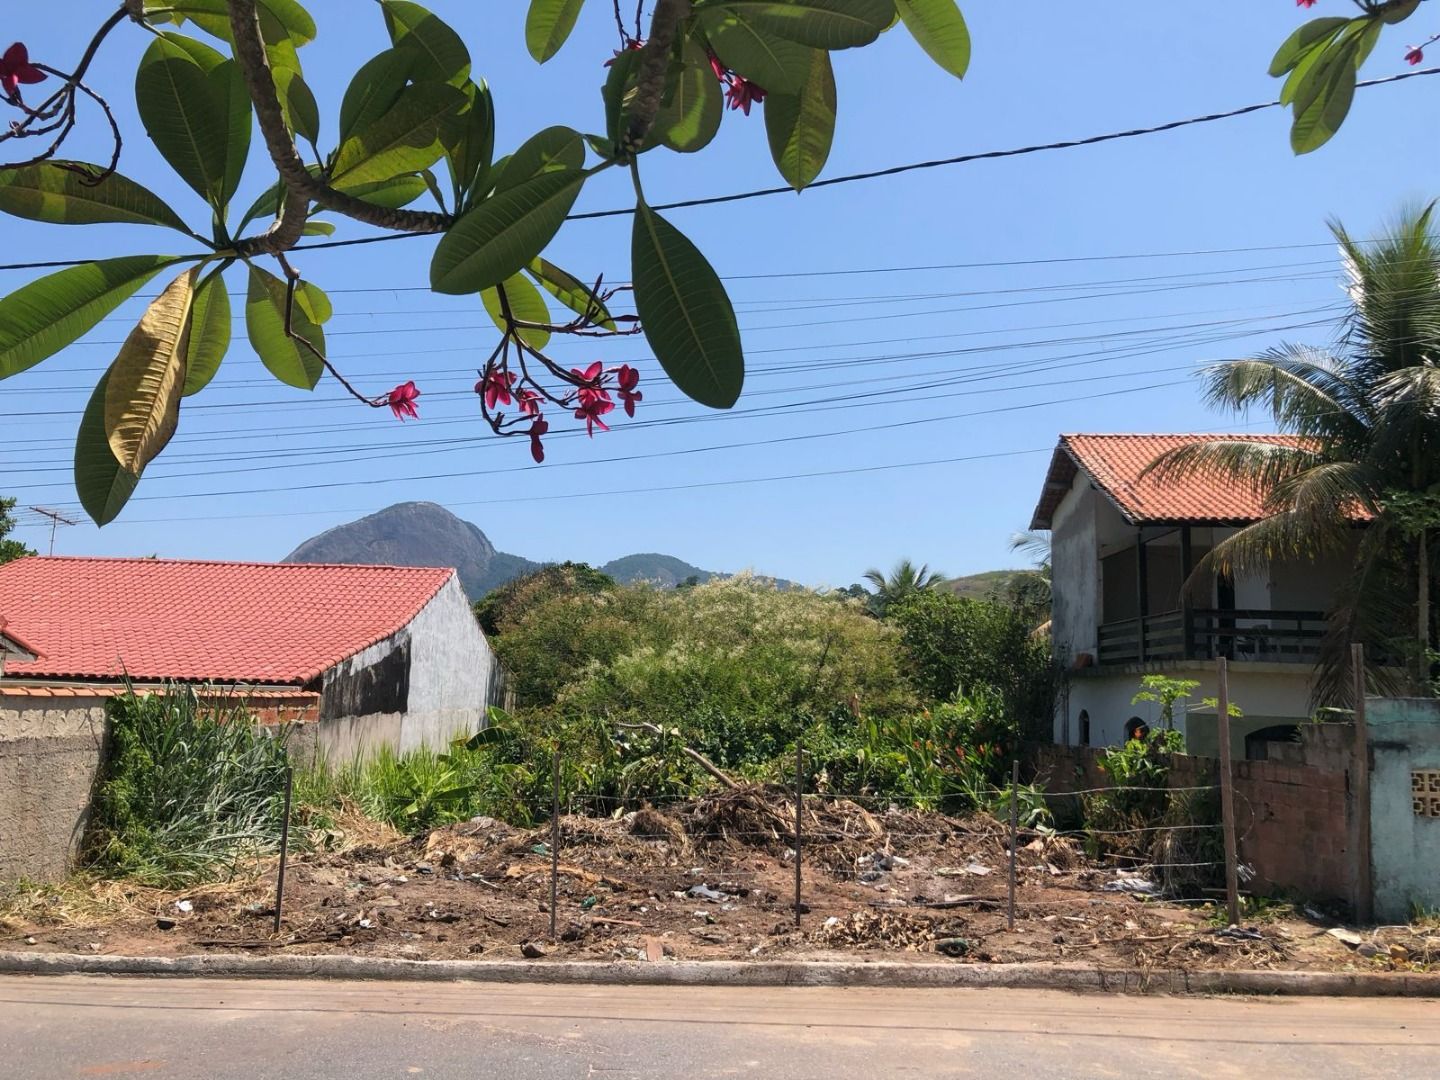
(652, 67)
(302, 185)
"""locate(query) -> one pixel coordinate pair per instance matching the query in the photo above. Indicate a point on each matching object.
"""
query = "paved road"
(52, 1028)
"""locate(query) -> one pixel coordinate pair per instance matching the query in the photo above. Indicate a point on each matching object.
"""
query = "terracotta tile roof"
(267, 697)
(157, 619)
(12, 642)
(1115, 463)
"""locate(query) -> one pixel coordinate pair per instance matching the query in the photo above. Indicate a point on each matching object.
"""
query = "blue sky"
(1029, 313)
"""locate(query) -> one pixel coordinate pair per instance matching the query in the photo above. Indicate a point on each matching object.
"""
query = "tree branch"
(302, 186)
(654, 66)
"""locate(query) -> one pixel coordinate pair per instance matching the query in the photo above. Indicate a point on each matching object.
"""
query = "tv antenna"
(56, 520)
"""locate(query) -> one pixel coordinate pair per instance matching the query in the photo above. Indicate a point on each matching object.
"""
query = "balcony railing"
(1246, 634)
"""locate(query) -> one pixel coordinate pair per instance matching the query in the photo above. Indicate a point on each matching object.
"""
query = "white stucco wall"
(1075, 603)
(452, 679)
(454, 676)
(1265, 693)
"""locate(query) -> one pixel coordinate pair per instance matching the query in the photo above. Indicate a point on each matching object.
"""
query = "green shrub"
(187, 791)
(956, 645)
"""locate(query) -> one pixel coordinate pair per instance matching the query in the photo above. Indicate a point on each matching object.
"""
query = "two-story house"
(1122, 546)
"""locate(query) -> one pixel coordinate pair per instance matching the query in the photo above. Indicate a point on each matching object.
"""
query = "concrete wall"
(1267, 693)
(443, 687)
(1076, 607)
(1404, 822)
(50, 751)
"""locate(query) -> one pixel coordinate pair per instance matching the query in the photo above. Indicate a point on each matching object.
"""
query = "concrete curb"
(739, 973)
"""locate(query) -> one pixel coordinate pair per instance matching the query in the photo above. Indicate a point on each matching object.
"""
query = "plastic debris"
(1138, 886)
(1349, 937)
(704, 892)
(185, 907)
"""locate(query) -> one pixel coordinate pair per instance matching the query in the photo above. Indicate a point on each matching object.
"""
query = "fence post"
(284, 846)
(1014, 833)
(1360, 768)
(799, 821)
(1227, 792)
(555, 845)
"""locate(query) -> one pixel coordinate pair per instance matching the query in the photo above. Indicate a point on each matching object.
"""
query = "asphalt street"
(77, 1026)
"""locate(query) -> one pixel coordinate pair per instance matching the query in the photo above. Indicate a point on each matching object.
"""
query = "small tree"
(10, 550)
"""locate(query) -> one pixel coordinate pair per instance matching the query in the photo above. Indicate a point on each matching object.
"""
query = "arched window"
(1084, 727)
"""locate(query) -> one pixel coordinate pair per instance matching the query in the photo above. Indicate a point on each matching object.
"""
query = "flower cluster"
(739, 91)
(591, 397)
(16, 70)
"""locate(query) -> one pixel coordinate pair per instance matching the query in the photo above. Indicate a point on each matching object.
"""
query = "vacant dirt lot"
(711, 878)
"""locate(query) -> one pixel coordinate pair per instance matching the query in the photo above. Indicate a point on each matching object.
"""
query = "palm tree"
(1030, 590)
(906, 579)
(1368, 415)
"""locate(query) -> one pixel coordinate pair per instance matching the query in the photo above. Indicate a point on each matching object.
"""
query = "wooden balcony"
(1240, 635)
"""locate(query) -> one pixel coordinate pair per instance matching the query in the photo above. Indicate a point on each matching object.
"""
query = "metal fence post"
(1360, 768)
(555, 845)
(799, 821)
(1227, 793)
(284, 846)
(1014, 834)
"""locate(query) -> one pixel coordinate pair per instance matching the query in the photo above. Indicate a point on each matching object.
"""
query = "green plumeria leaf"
(374, 90)
(196, 110)
(440, 55)
(526, 304)
(469, 139)
(801, 126)
(102, 485)
(288, 360)
(504, 233)
(211, 326)
(394, 193)
(59, 193)
(617, 93)
(773, 63)
(686, 313)
(301, 111)
(315, 301)
(547, 24)
(147, 379)
(318, 228)
(940, 30)
(822, 24)
(570, 291)
(1323, 98)
(280, 20)
(1307, 37)
(39, 319)
(691, 111)
(404, 140)
(554, 148)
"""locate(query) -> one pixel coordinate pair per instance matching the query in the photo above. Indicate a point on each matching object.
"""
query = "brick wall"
(1295, 824)
(1294, 821)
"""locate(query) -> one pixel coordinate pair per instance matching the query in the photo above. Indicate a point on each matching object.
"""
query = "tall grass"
(188, 791)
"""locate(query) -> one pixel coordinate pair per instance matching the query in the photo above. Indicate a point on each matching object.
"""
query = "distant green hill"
(655, 568)
(982, 586)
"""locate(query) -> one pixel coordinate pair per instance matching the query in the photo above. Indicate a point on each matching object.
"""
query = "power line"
(894, 170)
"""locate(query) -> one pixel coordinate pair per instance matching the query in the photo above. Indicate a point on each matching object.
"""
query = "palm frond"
(1368, 609)
(1253, 462)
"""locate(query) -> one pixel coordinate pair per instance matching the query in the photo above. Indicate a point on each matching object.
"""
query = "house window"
(1084, 727)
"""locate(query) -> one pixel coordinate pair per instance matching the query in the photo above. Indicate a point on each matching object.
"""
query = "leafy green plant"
(189, 790)
(1170, 692)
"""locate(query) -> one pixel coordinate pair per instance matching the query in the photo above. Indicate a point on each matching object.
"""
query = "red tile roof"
(16, 643)
(1115, 463)
(157, 619)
